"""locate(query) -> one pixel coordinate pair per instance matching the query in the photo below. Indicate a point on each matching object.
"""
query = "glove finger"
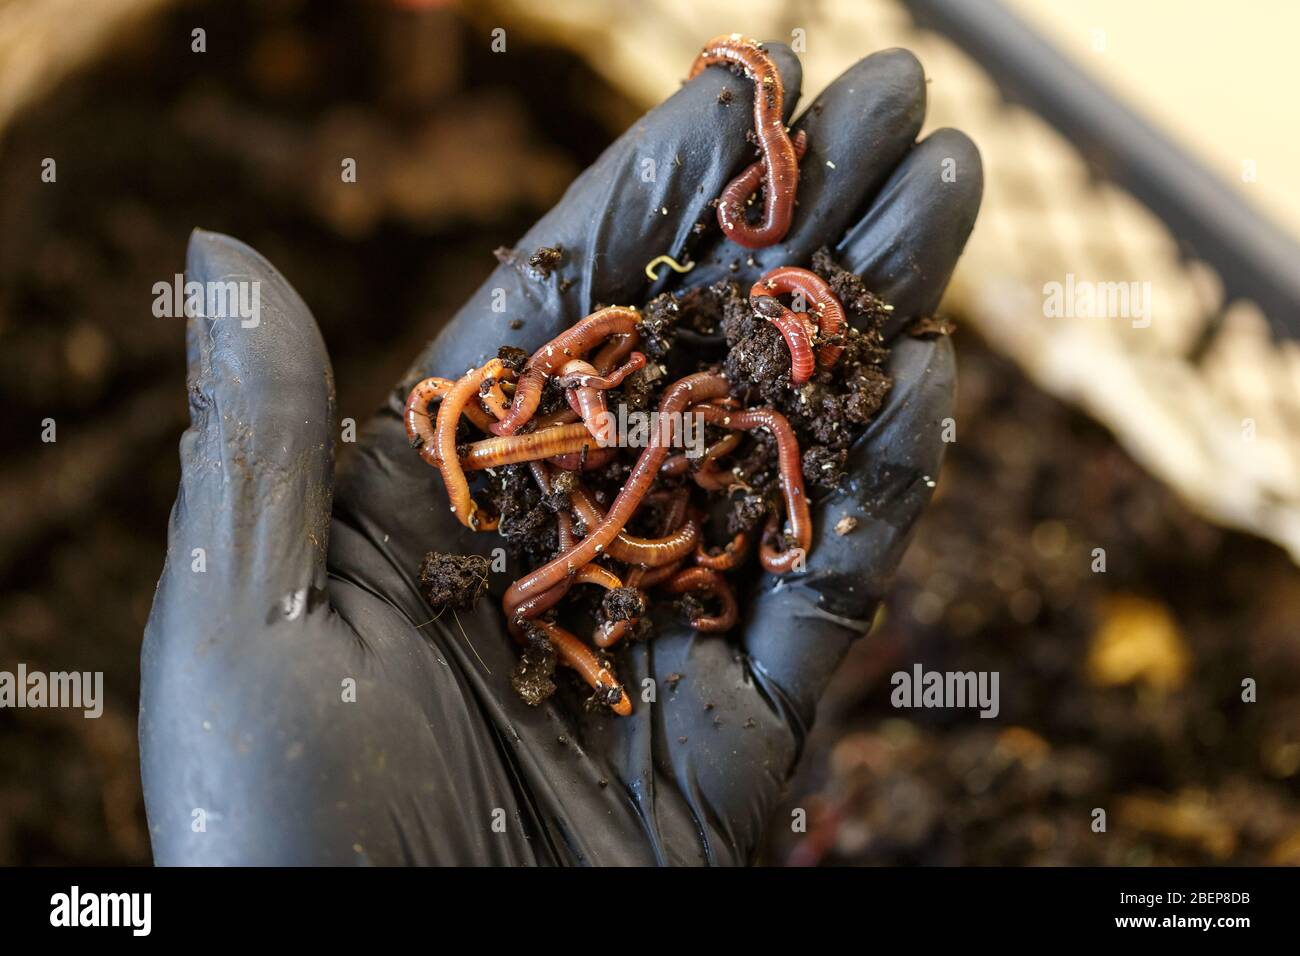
(858, 130)
(801, 626)
(639, 200)
(908, 242)
(248, 533)
(905, 248)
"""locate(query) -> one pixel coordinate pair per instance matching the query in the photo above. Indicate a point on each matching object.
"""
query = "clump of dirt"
(455, 581)
(545, 260)
(624, 604)
(512, 358)
(534, 676)
(527, 524)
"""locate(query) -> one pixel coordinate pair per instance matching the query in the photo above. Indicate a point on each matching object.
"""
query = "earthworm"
(564, 529)
(580, 657)
(706, 474)
(512, 449)
(642, 577)
(593, 459)
(675, 466)
(494, 398)
(443, 453)
(574, 342)
(791, 471)
(746, 184)
(538, 604)
(713, 583)
(589, 402)
(563, 520)
(562, 416)
(794, 329)
(581, 374)
(613, 352)
(672, 519)
(653, 576)
(588, 574)
(780, 163)
(678, 465)
(585, 390)
(728, 558)
(611, 631)
(824, 307)
(700, 387)
(648, 552)
(419, 424)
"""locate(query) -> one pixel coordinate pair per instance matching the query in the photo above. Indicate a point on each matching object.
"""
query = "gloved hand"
(255, 747)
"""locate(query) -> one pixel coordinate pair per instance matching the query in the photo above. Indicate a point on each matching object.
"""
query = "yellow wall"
(1221, 76)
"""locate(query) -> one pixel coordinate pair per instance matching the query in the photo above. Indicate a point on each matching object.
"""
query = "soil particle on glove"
(533, 677)
(454, 581)
(545, 260)
(846, 525)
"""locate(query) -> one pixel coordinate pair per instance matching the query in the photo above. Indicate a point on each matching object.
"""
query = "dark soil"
(533, 677)
(1120, 690)
(454, 581)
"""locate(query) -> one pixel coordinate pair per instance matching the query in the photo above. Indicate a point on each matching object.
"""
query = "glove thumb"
(249, 530)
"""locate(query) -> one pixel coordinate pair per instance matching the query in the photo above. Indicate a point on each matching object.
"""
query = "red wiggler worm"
(780, 163)
(713, 583)
(825, 309)
(791, 472)
(700, 387)
(572, 343)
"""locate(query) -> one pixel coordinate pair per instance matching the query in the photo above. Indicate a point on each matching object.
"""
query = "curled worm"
(794, 330)
(574, 342)
(712, 583)
(580, 657)
(701, 387)
(792, 489)
(441, 451)
(824, 308)
(647, 552)
(780, 163)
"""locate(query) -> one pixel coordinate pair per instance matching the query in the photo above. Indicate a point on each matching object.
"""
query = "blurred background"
(1151, 143)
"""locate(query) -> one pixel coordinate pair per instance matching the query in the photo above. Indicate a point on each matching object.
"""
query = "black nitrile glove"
(253, 751)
